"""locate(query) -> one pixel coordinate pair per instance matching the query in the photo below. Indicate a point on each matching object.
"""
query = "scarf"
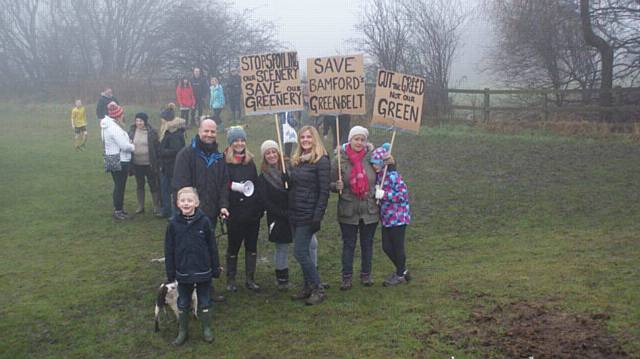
(358, 181)
(273, 175)
(306, 157)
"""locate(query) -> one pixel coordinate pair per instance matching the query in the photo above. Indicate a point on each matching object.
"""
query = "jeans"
(393, 247)
(302, 237)
(281, 256)
(246, 232)
(203, 293)
(145, 171)
(216, 117)
(119, 185)
(349, 238)
(169, 208)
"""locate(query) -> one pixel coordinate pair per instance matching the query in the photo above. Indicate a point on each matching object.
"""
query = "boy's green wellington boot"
(183, 329)
(205, 318)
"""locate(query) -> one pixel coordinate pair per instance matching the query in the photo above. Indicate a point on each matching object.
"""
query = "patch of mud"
(526, 329)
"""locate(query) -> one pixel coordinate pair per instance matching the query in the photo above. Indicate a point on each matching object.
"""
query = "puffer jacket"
(216, 100)
(190, 250)
(171, 144)
(309, 191)
(207, 172)
(351, 209)
(394, 206)
(276, 202)
(115, 139)
(152, 140)
(242, 208)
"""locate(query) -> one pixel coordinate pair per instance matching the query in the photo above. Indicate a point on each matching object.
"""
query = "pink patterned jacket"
(394, 206)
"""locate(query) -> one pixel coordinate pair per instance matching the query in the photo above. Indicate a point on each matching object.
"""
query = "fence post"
(487, 103)
(545, 105)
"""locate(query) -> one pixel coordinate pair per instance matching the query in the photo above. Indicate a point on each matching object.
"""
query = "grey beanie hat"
(234, 133)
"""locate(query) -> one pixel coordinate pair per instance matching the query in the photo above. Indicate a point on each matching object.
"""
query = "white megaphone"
(245, 187)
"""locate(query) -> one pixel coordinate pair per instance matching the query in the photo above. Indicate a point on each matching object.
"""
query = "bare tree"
(385, 34)
(437, 27)
(539, 44)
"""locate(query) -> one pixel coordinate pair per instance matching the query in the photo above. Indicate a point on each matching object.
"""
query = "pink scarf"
(358, 181)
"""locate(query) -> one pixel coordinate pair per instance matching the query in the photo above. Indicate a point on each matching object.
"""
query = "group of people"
(197, 184)
(191, 96)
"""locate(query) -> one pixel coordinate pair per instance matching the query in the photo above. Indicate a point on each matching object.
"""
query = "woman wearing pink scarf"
(357, 208)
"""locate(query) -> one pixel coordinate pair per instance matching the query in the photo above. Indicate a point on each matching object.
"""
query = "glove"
(379, 193)
(315, 226)
(285, 177)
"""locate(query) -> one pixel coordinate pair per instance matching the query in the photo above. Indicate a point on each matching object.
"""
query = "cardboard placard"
(398, 101)
(336, 85)
(271, 83)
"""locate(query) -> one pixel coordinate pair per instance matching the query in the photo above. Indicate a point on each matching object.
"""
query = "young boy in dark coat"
(191, 258)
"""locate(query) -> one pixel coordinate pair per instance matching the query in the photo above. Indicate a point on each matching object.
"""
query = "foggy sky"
(324, 27)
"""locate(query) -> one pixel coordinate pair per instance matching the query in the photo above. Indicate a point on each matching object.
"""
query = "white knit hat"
(269, 144)
(358, 130)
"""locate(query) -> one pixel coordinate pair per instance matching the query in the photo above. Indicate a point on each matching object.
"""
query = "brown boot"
(346, 281)
(316, 297)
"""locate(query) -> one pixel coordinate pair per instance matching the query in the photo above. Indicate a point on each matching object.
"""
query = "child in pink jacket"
(395, 214)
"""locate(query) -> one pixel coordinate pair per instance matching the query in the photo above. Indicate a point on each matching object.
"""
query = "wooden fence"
(625, 102)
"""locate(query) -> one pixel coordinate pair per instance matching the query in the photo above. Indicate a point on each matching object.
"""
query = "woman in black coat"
(275, 200)
(308, 180)
(245, 209)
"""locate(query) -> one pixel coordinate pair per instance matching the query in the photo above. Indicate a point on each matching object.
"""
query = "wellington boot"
(316, 297)
(250, 271)
(140, 196)
(183, 329)
(205, 318)
(157, 204)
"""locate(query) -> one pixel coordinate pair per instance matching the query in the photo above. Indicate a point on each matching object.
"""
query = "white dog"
(168, 295)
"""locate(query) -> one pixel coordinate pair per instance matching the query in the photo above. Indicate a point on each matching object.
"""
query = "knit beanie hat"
(267, 145)
(378, 155)
(143, 116)
(234, 133)
(114, 110)
(358, 130)
(168, 113)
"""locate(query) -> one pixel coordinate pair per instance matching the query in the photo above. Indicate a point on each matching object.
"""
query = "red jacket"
(184, 96)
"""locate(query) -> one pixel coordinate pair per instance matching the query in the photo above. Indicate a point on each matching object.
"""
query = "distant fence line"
(548, 101)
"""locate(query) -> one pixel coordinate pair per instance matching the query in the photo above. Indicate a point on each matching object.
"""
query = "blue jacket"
(190, 250)
(216, 100)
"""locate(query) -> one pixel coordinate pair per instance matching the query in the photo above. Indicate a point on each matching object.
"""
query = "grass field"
(514, 238)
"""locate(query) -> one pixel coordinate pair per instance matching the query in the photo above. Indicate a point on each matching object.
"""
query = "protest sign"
(336, 85)
(271, 83)
(398, 101)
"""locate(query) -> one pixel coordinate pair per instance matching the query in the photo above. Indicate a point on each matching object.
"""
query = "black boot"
(282, 277)
(232, 268)
(250, 271)
(216, 298)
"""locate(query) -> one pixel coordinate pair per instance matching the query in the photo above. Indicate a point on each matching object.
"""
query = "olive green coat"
(351, 209)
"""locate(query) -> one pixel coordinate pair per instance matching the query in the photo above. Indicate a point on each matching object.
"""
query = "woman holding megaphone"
(245, 209)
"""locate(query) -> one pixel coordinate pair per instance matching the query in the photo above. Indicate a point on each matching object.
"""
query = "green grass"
(496, 219)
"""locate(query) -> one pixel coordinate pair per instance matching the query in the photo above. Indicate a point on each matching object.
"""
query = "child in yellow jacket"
(79, 125)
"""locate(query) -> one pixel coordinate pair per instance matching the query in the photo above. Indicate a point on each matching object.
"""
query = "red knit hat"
(114, 110)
